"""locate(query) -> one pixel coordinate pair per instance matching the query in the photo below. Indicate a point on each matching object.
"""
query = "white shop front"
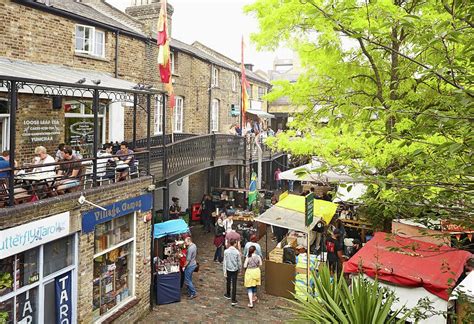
(38, 276)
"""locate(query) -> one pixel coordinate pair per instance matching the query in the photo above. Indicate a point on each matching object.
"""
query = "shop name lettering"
(63, 302)
(116, 210)
(30, 236)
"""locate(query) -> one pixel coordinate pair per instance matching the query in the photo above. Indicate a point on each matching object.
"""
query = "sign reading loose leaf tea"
(41, 130)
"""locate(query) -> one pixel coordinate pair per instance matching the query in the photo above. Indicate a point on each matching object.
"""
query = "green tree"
(387, 86)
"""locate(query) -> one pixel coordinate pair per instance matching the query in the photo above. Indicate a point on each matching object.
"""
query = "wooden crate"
(276, 255)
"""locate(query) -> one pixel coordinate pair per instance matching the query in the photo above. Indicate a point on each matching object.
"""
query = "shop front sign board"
(40, 130)
(27, 236)
(120, 208)
(63, 298)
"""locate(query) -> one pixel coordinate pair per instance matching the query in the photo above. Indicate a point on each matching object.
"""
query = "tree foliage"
(388, 90)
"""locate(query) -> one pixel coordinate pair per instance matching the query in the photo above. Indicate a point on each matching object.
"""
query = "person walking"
(252, 278)
(219, 240)
(334, 253)
(277, 178)
(231, 266)
(253, 242)
(190, 266)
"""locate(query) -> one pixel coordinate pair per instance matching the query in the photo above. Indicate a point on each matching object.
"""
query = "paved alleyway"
(210, 306)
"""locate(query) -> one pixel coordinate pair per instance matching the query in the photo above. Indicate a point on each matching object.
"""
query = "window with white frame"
(158, 119)
(261, 92)
(215, 77)
(172, 61)
(178, 115)
(234, 82)
(90, 41)
(215, 115)
(113, 283)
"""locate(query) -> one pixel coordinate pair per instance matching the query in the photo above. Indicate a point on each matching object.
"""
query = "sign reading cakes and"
(41, 130)
(120, 208)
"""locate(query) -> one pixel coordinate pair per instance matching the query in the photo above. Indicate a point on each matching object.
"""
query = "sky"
(218, 24)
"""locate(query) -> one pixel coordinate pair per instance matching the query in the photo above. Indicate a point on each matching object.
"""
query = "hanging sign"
(63, 302)
(120, 208)
(82, 128)
(309, 209)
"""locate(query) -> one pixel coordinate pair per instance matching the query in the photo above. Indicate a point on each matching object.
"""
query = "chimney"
(147, 12)
(249, 66)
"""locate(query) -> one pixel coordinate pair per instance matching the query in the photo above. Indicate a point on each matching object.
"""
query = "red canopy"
(412, 263)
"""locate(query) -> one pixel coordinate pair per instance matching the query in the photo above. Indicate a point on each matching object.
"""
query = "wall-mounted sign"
(24, 237)
(82, 128)
(98, 216)
(41, 130)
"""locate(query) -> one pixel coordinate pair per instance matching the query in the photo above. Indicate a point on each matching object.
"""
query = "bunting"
(244, 84)
(163, 41)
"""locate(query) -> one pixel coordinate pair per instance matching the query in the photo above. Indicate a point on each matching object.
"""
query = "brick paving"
(210, 306)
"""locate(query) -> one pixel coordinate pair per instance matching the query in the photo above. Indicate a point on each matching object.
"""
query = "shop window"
(79, 126)
(215, 77)
(234, 82)
(261, 92)
(57, 255)
(113, 267)
(90, 41)
(21, 296)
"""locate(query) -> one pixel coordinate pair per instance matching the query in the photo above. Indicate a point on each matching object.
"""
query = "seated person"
(5, 164)
(60, 152)
(126, 156)
(42, 157)
(106, 166)
(175, 209)
(71, 170)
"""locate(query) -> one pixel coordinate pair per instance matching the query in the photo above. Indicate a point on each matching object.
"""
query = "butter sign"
(97, 216)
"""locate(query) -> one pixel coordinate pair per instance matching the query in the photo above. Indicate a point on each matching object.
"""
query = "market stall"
(412, 273)
(287, 263)
(169, 251)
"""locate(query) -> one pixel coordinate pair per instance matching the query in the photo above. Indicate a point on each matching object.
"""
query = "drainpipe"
(210, 100)
(116, 52)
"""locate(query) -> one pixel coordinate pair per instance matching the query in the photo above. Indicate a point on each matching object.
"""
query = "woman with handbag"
(252, 278)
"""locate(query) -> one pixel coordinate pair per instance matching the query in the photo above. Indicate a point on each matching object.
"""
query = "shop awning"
(260, 113)
(411, 264)
(175, 226)
(58, 73)
(325, 177)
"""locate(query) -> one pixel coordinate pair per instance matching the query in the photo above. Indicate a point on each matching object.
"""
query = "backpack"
(330, 246)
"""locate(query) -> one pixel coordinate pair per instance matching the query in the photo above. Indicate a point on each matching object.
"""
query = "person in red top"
(277, 178)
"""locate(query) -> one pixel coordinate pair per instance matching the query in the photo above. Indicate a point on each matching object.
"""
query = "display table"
(168, 288)
(279, 279)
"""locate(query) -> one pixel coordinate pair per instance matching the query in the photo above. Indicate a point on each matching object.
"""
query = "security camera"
(83, 200)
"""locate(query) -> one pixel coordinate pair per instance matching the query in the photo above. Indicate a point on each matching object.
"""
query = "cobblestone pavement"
(210, 306)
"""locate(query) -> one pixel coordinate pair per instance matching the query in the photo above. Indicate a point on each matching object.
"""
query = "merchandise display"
(173, 253)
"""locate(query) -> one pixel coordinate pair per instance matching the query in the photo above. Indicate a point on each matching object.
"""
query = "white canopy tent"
(286, 218)
(353, 196)
(325, 177)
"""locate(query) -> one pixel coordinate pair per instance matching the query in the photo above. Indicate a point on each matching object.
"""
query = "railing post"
(134, 126)
(95, 110)
(13, 96)
(148, 132)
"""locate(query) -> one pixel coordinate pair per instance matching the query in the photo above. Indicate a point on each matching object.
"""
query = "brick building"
(86, 74)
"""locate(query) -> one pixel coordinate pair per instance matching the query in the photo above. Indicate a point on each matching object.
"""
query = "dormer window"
(90, 41)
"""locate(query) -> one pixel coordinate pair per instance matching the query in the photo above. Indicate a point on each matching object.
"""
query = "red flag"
(163, 42)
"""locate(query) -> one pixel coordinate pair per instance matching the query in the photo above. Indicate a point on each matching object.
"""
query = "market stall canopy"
(325, 177)
(322, 209)
(175, 226)
(260, 113)
(465, 288)
(409, 263)
(344, 195)
(289, 213)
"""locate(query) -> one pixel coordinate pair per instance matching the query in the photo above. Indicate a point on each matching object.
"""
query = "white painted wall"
(116, 122)
(182, 192)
